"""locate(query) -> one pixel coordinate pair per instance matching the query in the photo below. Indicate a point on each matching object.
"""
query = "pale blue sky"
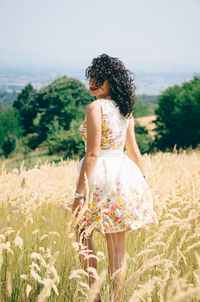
(148, 35)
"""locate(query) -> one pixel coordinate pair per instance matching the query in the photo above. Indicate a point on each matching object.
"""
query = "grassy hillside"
(39, 256)
(147, 122)
(38, 156)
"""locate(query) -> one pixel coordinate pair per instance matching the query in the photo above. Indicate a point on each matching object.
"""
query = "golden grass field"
(38, 249)
(147, 121)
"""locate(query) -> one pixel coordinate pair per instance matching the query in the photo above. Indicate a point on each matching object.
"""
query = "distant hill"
(148, 83)
(7, 98)
(145, 105)
(146, 98)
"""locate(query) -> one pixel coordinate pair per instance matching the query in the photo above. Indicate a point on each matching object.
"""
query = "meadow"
(38, 250)
(147, 122)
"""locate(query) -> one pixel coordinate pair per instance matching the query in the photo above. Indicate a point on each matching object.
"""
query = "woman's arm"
(131, 146)
(93, 116)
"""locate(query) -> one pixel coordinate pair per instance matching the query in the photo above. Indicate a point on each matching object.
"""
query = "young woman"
(121, 198)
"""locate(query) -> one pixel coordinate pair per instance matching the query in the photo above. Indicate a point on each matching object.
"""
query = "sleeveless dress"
(121, 198)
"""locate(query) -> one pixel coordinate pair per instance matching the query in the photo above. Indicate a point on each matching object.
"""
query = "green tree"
(66, 99)
(2, 125)
(178, 116)
(63, 141)
(142, 109)
(10, 128)
(143, 139)
(8, 145)
(27, 108)
(75, 145)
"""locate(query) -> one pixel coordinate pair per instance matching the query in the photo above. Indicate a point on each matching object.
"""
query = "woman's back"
(113, 126)
(121, 199)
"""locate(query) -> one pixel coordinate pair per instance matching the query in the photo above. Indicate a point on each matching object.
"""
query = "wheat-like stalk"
(40, 255)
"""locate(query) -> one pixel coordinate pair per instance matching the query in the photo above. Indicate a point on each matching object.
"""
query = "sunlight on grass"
(38, 248)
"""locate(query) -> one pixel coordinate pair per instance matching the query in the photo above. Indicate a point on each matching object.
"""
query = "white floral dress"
(122, 199)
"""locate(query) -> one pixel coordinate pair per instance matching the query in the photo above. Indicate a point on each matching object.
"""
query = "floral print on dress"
(121, 198)
(110, 137)
(115, 213)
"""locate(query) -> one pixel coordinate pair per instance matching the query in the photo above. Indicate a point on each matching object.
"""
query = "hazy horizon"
(151, 83)
(146, 35)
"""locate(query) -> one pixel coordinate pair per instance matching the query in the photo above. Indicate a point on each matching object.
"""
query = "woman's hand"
(78, 203)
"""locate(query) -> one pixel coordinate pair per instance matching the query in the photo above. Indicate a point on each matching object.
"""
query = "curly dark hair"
(112, 69)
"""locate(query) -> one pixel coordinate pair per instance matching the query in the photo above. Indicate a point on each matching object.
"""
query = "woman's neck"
(104, 97)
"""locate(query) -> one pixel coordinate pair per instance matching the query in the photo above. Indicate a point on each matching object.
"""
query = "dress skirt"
(121, 198)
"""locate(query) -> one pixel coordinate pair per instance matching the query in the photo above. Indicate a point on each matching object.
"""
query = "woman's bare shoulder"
(93, 105)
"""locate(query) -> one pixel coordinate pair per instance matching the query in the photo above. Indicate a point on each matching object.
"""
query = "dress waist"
(111, 152)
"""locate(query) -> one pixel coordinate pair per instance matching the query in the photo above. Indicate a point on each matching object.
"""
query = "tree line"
(50, 118)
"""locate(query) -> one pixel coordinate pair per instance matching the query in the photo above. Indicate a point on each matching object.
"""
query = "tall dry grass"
(147, 121)
(38, 249)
